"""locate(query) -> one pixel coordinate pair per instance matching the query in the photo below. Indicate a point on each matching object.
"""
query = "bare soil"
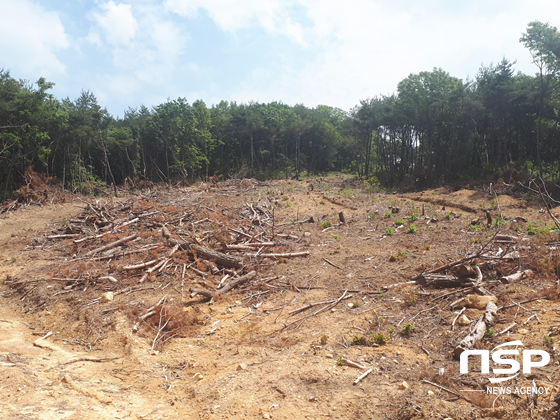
(254, 360)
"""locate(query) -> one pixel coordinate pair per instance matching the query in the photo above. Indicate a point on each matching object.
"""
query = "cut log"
(516, 276)
(441, 280)
(219, 258)
(341, 217)
(483, 324)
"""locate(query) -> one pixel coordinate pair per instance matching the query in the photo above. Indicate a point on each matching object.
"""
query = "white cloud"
(30, 36)
(114, 23)
(230, 15)
(364, 48)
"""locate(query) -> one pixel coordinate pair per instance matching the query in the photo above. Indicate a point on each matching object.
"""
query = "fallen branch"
(362, 376)
(227, 287)
(522, 302)
(111, 245)
(207, 253)
(352, 364)
(330, 263)
(457, 317)
(285, 255)
(447, 389)
(89, 359)
(329, 306)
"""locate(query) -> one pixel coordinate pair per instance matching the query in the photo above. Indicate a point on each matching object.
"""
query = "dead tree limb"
(220, 258)
(483, 324)
(111, 245)
(230, 285)
(284, 255)
(516, 276)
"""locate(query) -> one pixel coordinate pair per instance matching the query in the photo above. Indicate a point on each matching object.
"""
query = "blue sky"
(313, 52)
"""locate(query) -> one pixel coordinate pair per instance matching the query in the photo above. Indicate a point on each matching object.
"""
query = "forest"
(435, 129)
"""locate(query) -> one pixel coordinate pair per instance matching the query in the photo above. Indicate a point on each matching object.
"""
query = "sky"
(336, 53)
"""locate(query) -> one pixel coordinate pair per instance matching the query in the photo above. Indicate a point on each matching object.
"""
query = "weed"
(498, 221)
(437, 231)
(326, 224)
(285, 197)
(392, 330)
(399, 222)
(408, 329)
(380, 320)
(338, 246)
(448, 216)
(289, 204)
(324, 340)
(356, 304)
(412, 229)
(322, 203)
(476, 228)
(490, 333)
(389, 231)
(401, 253)
(340, 362)
(336, 237)
(381, 338)
(371, 216)
(482, 204)
(412, 300)
(358, 340)
(282, 260)
(413, 217)
(388, 215)
(493, 204)
(426, 247)
(289, 189)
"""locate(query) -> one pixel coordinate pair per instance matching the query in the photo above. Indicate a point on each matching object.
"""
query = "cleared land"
(286, 342)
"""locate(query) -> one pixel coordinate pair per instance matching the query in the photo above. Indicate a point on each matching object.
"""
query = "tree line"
(435, 129)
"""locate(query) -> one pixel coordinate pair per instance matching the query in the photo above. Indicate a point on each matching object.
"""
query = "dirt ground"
(246, 355)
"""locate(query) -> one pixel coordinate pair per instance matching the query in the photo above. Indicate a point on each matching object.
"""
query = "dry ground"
(254, 363)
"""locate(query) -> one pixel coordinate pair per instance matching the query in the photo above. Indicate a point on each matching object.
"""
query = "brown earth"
(254, 363)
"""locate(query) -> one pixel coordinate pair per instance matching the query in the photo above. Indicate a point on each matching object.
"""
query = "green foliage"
(476, 228)
(371, 216)
(413, 217)
(490, 333)
(498, 221)
(381, 338)
(389, 231)
(399, 222)
(408, 329)
(412, 229)
(326, 224)
(358, 340)
(388, 214)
